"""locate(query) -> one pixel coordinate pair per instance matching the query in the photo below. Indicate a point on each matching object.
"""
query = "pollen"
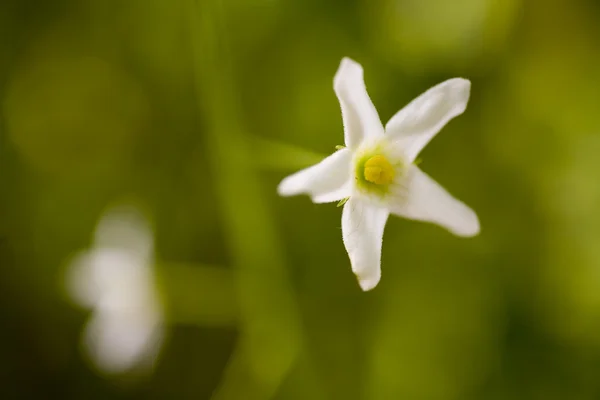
(379, 171)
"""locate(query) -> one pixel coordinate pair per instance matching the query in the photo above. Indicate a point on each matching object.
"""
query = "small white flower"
(375, 173)
(115, 278)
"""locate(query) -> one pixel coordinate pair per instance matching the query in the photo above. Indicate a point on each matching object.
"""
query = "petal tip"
(347, 67)
(368, 281)
(461, 83)
(470, 229)
(349, 62)
(367, 284)
(475, 230)
(285, 188)
(463, 88)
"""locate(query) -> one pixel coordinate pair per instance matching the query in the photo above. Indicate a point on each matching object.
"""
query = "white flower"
(115, 278)
(375, 173)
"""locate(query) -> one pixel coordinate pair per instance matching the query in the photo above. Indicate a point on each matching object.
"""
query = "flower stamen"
(379, 171)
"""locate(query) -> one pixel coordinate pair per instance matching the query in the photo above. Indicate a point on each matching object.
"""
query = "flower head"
(375, 173)
(115, 278)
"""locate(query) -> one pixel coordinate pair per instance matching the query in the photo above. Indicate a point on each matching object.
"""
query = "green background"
(197, 109)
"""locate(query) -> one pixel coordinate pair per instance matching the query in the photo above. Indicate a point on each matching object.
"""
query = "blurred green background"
(197, 109)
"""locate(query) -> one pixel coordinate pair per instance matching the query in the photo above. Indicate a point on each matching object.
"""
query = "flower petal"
(81, 281)
(327, 181)
(358, 112)
(425, 200)
(417, 123)
(362, 232)
(125, 227)
(110, 278)
(118, 343)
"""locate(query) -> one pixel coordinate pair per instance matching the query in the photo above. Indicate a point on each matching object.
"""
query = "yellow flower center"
(379, 171)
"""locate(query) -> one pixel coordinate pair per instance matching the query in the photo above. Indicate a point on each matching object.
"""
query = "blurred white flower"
(115, 278)
(375, 173)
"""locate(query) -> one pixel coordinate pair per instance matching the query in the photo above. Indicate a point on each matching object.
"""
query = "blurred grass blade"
(268, 316)
(273, 155)
(240, 382)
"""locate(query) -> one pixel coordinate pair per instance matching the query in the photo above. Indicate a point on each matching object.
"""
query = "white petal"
(125, 227)
(362, 231)
(360, 117)
(128, 283)
(328, 181)
(81, 282)
(424, 199)
(110, 278)
(417, 123)
(118, 343)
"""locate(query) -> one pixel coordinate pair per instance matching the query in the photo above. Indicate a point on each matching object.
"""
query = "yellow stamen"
(379, 171)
